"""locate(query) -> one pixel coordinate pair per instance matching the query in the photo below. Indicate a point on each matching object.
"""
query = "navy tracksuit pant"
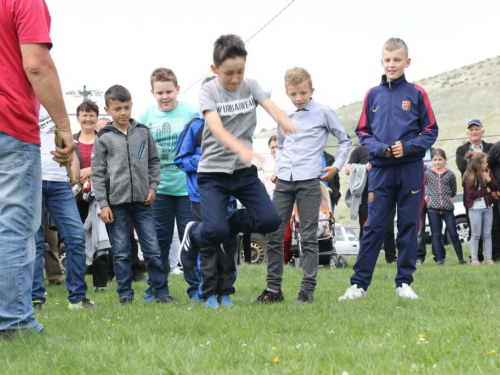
(402, 184)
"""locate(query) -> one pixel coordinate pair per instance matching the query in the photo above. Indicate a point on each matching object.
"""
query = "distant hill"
(458, 96)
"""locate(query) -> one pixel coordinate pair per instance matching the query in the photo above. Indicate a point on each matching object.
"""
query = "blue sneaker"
(224, 300)
(188, 251)
(149, 298)
(211, 302)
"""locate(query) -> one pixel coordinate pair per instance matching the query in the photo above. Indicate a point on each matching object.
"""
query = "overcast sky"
(99, 43)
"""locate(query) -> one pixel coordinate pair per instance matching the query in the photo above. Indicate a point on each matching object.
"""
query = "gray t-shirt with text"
(237, 110)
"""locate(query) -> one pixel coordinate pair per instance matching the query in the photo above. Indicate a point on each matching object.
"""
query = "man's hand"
(330, 173)
(275, 175)
(368, 167)
(397, 150)
(388, 152)
(64, 155)
(151, 197)
(107, 215)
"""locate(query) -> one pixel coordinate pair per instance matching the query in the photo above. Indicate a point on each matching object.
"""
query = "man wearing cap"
(475, 132)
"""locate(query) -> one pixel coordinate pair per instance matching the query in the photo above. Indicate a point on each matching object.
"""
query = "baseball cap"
(474, 122)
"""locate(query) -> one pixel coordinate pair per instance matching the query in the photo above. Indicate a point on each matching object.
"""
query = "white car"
(347, 239)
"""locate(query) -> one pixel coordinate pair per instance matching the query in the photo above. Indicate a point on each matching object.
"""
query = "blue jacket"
(396, 111)
(188, 154)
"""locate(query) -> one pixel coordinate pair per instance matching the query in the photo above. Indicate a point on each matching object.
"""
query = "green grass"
(457, 317)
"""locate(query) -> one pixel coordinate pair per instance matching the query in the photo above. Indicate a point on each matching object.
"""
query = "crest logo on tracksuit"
(406, 105)
(370, 197)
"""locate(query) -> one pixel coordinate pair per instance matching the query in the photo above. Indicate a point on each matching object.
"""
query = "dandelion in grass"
(421, 336)
(448, 341)
(274, 348)
(397, 307)
(491, 352)
(276, 360)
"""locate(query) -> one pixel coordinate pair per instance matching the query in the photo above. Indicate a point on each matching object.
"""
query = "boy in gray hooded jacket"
(125, 157)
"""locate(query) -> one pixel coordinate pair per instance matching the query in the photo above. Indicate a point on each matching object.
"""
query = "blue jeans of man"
(119, 230)
(59, 200)
(400, 184)
(436, 221)
(20, 212)
(167, 210)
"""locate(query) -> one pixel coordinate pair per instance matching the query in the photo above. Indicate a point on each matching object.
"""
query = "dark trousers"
(307, 194)
(436, 221)
(389, 242)
(401, 184)
(99, 267)
(260, 214)
(217, 265)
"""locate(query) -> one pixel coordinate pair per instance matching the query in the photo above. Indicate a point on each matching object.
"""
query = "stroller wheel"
(333, 262)
(342, 262)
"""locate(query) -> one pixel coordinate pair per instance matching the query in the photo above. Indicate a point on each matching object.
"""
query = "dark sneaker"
(101, 289)
(37, 305)
(126, 301)
(304, 297)
(462, 262)
(441, 263)
(83, 304)
(224, 300)
(188, 251)
(269, 297)
(419, 262)
(139, 276)
(166, 299)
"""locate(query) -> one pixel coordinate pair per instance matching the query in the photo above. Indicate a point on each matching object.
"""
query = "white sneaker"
(353, 292)
(405, 291)
(176, 271)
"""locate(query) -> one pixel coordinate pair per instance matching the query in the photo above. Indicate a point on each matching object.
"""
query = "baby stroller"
(325, 233)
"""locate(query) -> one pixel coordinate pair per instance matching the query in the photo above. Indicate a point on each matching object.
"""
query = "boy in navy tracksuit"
(187, 157)
(397, 125)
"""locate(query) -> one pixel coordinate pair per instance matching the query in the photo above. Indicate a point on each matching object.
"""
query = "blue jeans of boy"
(481, 221)
(59, 200)
(167, 210)
(119, 230)
(21, 186)
(436, 220)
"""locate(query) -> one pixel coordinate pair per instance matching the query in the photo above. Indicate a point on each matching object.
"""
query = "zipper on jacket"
(440, 193)
(390, 112)
(130, 169)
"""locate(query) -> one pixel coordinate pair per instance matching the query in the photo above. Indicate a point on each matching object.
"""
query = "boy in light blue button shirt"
(298, 170)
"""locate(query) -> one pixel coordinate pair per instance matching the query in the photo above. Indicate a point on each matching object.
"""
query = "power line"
(258, 31)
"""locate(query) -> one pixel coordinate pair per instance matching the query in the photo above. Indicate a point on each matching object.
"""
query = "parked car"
(346, 243)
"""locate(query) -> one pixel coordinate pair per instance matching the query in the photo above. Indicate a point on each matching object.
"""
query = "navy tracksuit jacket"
(394, 111)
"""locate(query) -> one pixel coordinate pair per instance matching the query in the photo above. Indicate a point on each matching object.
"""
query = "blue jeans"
(59, 200)
(481, 221)
(436, 221)
(119, 230)
(20, 205)
(168, 209)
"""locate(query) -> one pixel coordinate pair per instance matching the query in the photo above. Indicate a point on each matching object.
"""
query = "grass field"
(453, 329)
